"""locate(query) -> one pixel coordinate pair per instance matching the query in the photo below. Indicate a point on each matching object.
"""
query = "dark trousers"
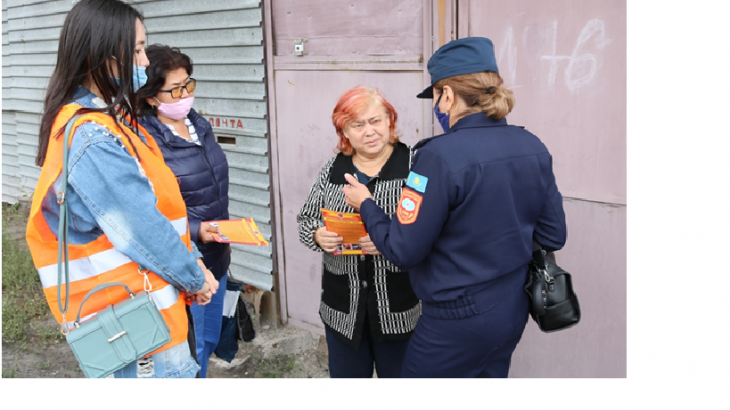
(480, 345)
(345, 362)
(191, 338)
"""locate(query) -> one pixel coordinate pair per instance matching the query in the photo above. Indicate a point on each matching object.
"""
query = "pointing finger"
(351, 180)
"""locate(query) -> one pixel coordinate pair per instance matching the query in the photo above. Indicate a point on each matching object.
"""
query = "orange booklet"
(242, 231)
(349, 227)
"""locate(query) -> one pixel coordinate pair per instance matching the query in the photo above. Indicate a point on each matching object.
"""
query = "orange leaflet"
(347, 225)
(242, 231)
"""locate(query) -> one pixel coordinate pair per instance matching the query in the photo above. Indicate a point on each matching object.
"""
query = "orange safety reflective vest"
(99, 262)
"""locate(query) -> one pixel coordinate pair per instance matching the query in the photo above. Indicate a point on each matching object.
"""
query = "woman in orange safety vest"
(124, 204)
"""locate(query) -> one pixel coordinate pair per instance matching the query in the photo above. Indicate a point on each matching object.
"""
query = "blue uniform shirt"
(475, 199)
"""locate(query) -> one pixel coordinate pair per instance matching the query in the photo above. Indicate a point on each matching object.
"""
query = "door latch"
(299, 47)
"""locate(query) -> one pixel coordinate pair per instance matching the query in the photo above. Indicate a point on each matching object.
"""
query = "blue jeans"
(175, 362)
(208, 321)
(345, 362)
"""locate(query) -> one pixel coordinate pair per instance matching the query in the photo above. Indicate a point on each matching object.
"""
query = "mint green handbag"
(119, 334)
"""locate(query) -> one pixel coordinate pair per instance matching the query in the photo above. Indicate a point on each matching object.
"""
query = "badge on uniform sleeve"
(417, 182)
(408, 206)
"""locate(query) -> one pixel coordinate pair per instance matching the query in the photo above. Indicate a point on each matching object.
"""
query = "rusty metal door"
(317, 49)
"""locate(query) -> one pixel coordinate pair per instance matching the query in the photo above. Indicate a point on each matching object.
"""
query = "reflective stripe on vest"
(85, 268)
(98, 261)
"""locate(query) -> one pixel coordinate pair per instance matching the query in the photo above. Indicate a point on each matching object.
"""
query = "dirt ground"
(286, 352)
(283, 352)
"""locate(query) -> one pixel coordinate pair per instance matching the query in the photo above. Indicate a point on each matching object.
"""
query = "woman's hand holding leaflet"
(327, 240)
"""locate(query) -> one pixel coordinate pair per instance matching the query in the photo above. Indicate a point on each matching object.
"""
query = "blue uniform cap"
(458, 57)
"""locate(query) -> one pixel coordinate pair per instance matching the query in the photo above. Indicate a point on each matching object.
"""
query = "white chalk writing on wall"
(510, 48)
(582, 64)
(578, 63)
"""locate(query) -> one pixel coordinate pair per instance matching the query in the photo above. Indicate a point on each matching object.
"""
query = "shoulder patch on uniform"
(417, 182)
(408, 206)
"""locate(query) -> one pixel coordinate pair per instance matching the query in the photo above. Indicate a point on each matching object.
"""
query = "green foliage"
(47, 335)
(23, 298)
(276, 367)
(9, 374)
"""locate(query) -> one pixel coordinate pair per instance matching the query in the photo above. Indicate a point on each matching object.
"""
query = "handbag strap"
(540, 260)
(539, 255)
(96, 289)
(63, 229)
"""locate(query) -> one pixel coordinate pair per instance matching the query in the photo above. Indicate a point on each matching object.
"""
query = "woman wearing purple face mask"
(190, 150)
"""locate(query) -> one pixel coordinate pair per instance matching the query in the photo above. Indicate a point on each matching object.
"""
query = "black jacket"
(202, 171)
(353, 285)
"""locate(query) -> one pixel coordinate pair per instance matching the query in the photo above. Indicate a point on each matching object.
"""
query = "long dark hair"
(94, 33)
(163, 59)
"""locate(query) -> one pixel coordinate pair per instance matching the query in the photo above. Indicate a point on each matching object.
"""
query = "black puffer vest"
(202, 171)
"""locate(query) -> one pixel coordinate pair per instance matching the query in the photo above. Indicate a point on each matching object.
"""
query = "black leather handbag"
(553, 305)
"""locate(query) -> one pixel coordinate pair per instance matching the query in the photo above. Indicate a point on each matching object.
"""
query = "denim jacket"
(107, 194)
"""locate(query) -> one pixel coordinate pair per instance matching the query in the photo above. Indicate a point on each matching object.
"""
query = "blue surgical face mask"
(443, 118)
(139, 78)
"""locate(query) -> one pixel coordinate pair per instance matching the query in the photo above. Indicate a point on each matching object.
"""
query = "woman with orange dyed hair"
(368, 306)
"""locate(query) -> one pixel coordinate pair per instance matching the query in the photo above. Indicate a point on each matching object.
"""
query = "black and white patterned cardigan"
(355, 284)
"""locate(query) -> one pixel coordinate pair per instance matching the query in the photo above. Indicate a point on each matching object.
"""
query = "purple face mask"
(178, 110)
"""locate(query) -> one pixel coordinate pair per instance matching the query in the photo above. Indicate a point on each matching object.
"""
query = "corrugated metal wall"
(29, 47)
(11, 183)
(225, 41)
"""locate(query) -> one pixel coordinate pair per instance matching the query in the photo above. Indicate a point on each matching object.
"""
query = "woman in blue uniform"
(474, 200)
